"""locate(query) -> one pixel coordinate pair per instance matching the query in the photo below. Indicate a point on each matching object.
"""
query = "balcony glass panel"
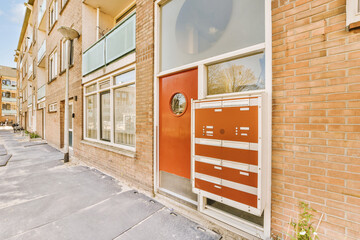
(5, 99)
(41, 52)
(30, 100)
(7, 87)
(30, 69)
(41, 11)
(94, 57)
(115, 44)
(41, 92)
(8, 112)
(121, 40)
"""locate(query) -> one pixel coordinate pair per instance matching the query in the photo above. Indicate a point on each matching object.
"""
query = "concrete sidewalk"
(41, 198)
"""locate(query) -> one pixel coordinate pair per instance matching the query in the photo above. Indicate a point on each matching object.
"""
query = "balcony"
(41, 18)
(109, 7)
(5, 99)
(41, 54)
(29, 100)
(41, 92)
(30, 71)
(115, 44)
(8, 112)
(8, 87)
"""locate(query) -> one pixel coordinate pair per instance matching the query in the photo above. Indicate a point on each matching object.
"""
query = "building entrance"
(176, 92)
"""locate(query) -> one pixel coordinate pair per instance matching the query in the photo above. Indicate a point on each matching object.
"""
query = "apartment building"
(117, 73)
(8, 103)
(42, 49)
(25, 73)
(231, 111)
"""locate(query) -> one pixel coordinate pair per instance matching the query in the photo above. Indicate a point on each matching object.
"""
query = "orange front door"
(176, 92)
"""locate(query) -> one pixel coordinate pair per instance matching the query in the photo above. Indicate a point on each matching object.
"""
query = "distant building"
(8, 101)
(41, 62)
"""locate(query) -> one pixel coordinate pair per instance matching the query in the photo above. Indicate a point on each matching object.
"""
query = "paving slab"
(43, 198)
(4, 160)
(166, 225)
(123, 211)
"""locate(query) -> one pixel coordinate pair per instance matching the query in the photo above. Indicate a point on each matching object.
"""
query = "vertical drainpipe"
(97, 23)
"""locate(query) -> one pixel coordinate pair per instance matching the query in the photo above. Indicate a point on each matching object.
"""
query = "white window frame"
(352, 11)
(266, 47)
(63, 54)
(52, 107)
(97, 92)
(53, 66)
(53, 13)
(63, 3)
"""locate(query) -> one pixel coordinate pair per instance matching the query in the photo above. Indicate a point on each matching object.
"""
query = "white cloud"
(17, 13)
(1, 12)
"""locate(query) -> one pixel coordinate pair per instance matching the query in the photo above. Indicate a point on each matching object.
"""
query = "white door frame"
(44, 121)
(71, 106)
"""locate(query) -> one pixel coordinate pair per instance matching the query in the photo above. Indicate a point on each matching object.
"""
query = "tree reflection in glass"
(239, 75)
(178, 104)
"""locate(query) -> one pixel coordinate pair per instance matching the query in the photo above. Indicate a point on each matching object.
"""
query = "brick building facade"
(316, 116)
(132, 52)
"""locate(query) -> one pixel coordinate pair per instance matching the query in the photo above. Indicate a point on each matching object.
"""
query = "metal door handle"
(218, 168)
(216, 186)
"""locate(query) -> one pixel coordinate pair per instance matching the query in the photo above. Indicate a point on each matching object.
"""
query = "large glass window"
(91, 116)
(105, 115)
(117, 115)
(125, 115)
(195, 30)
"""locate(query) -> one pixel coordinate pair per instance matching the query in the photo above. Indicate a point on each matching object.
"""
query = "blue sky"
(11, 18)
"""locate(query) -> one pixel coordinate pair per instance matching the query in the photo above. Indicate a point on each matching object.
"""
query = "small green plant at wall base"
(303, 227)
(26, 132)
(34, 135)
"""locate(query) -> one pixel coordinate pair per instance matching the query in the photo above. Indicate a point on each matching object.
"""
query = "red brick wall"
(316, 109)
(138, 170)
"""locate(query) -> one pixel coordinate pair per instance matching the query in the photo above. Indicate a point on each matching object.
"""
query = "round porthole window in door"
(178, 104)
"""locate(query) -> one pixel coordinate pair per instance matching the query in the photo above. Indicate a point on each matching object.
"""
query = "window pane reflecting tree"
(125, 115)
(105, 116)
(91, 118)
(243, 74)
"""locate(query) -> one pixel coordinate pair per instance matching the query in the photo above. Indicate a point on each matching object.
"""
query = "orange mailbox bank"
(226, 152)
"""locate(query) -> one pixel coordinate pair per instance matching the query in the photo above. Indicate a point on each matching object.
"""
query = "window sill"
(354, 25)
(52, 27)
(113, 149)
(52, 80)
(63, 7)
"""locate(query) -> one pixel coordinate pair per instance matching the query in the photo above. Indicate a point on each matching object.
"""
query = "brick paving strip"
(41, 198)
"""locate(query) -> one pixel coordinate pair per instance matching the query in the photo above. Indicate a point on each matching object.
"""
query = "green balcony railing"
(115, 44)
